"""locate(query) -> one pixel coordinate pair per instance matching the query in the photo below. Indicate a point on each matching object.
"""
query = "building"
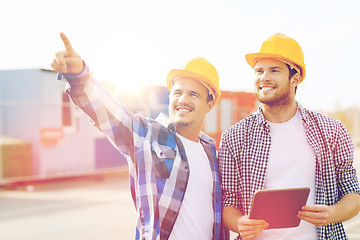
(35, 113)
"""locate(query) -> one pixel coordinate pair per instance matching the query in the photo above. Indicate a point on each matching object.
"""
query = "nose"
(264, 77)
(183, 98)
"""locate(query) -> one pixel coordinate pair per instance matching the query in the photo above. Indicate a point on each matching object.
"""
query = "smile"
(183, 109)
(266, 88)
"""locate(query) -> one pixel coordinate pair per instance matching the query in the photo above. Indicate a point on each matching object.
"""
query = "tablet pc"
(279, 207)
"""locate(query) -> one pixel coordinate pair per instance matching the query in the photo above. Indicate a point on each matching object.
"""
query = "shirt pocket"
(163, 159)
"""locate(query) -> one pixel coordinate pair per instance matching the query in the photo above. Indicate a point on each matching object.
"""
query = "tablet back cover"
(279, 207)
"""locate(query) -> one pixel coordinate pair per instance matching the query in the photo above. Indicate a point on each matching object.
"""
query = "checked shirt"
(244, 154)
(158, 165)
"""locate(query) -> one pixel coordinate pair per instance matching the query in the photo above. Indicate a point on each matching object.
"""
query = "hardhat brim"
(173, 73)
(252, 58)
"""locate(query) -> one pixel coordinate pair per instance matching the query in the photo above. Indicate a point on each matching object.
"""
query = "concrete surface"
(90, 209)
(84, 208)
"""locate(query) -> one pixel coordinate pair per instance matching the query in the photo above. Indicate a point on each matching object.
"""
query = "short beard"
(282, 99)
(276, 101)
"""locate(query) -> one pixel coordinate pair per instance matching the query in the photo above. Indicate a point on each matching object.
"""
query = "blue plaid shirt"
(158, 165)
(244, 154)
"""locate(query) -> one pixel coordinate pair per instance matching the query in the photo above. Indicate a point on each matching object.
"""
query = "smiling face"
(272, 84)
(188, 104)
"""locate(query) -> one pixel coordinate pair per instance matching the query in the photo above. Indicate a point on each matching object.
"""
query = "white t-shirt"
(291, 164)
(196, 216)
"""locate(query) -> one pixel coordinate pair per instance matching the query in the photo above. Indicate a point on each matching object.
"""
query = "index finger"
(248, 221)
(66, 42)
(314, 208)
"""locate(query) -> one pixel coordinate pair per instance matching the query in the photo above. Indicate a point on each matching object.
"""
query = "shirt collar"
(165, 121)
(304, 115)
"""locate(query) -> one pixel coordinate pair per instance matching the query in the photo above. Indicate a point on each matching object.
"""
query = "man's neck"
(189, 133)
(280, 113)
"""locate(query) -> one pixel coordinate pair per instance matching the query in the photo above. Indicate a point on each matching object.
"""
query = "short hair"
(210, 97)
(292, 72)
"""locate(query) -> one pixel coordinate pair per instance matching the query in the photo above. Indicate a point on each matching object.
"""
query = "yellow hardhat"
(200, 69)
(283, 48)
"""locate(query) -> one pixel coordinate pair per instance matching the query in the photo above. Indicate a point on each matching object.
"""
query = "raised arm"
(106, 112)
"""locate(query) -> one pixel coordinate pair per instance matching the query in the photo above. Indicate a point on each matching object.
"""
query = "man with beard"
(284, 145)
(173, 165)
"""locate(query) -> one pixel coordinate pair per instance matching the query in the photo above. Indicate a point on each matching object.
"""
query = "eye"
(176, 93)
(258, 71)
(195, 94)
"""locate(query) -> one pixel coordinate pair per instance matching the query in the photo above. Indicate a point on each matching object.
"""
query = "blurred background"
(53, 162)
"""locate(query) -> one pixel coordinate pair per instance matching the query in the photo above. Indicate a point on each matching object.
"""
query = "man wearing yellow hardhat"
(173, 166)
(284, 145)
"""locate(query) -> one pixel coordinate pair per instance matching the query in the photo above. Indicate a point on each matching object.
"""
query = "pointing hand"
(68, 61)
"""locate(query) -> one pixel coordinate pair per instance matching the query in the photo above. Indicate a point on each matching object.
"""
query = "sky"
(136, 42)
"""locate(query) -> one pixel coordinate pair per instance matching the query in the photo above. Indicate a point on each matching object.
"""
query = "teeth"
(266, 88)
(183, 110)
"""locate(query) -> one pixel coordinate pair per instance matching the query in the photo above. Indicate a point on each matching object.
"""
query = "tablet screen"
(279, 207)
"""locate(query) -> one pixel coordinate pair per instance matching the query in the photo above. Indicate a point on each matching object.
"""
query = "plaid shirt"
(158, 165)
(244, 155)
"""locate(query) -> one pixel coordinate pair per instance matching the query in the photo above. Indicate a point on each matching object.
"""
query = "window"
(226, 105)
(211, 121)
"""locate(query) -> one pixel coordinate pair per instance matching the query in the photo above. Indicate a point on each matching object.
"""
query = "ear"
(211, 104)
(296, 79)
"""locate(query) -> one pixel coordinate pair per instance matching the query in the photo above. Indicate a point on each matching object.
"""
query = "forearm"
(237, 222)
(105, 111)
(231, 216)
(346, 208)
(94, 99)
(90, 98)
(321, 215)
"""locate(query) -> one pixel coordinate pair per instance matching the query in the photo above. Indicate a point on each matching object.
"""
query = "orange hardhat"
(200, 69)
(283, 48)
